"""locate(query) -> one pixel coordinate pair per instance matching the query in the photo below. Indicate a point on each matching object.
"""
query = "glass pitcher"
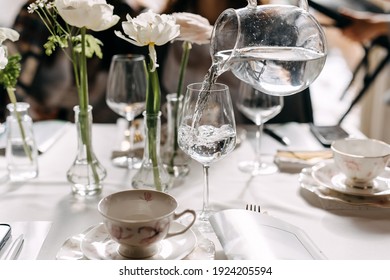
(279, 49)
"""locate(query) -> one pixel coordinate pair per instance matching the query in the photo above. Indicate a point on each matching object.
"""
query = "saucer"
(328, 175)
(98, 245)
(328, 196)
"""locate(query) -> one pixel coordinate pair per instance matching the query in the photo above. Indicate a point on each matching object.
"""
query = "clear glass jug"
(279, 49)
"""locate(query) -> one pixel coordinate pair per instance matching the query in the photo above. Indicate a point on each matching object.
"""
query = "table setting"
(90, 206)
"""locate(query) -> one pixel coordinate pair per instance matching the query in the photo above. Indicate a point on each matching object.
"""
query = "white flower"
(3, 57)
(95, 15)
(193, 28)
(149, 29)
(8, 33)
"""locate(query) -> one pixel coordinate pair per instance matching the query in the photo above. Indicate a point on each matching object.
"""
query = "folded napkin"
(248, 235)
(293, 161)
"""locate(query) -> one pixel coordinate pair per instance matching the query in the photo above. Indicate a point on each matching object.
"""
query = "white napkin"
(248, 235)
(293, 161)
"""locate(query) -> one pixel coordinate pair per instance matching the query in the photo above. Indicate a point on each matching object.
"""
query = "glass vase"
(175, 160)
(152, 173)
(21, 149)
(86, 173)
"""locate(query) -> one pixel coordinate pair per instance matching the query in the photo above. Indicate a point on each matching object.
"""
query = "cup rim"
(127, 56)
(337, 150)
(100, 204)
(197, 86)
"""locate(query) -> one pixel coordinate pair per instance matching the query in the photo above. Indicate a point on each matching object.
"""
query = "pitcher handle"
(304, 5)
(176, 216)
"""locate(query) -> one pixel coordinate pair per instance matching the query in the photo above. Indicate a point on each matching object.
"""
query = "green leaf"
(10, 74)
(93, 46)
(54, 41)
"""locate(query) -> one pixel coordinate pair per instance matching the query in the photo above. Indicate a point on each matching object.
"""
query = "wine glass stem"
(206, 209)
(127, 143)
(259, 133)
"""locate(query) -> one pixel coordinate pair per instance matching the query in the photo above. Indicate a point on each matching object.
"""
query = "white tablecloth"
(345, 233)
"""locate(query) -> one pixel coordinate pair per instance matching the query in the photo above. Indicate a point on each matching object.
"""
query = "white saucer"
(98, 245)
(307, 182)
(328, 175)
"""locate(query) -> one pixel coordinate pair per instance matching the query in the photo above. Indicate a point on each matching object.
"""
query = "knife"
(281, 139)
(15, 249)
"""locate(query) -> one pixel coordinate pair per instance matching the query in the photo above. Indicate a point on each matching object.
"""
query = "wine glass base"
(256, 168)
(202, 223)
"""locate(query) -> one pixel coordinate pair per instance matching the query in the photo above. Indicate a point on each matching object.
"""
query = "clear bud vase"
(86, 173)
(21, 149)
(175, 160)
(152, 173)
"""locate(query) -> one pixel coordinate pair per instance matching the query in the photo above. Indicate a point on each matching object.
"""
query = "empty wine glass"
(126, 94)
(259, 108)
(207, 133)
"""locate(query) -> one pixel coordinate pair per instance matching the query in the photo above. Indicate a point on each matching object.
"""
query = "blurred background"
(329, 98)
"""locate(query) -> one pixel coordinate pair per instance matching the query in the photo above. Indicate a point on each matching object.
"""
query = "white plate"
(98, 245)
(307, 182)
(328, 175)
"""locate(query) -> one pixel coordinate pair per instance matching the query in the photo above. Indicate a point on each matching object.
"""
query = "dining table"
(342, 231)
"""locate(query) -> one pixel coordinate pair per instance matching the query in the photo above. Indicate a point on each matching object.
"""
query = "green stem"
(153, 94)
(152, 123)
(152, 110)
(85, 128)
(183, 66)
(12, 97)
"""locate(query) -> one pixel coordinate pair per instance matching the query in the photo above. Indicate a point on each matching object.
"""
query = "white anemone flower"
(150, 29)
(95, 15)
(193, 28)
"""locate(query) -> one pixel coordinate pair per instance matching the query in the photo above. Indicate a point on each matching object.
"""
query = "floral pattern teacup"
(139, 219)
(360, 160)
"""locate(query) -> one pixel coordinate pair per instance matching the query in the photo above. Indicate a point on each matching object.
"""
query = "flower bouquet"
(150, 29)
(68, 22)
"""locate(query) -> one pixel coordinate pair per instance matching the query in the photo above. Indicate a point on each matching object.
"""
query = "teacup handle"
(176, 216)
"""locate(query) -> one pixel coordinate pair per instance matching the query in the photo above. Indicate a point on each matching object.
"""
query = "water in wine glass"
(207, 133)
(259, 108)
(126, 94)
(207, 143)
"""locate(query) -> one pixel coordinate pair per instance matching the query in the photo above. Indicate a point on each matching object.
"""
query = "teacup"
(360, 160)
(139, 219)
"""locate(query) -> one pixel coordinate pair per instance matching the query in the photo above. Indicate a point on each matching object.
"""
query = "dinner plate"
(307, 182)
(328, 175)
(98, 245)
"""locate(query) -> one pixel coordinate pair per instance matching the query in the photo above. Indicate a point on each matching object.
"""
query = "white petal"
(8, 33)
(96, 15)
(3, 58)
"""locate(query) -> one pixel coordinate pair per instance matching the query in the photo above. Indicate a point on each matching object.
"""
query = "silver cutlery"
(280, 138)
(16, 247)
(253, 207)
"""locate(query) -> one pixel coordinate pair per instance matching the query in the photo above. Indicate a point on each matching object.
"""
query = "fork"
(253, 207)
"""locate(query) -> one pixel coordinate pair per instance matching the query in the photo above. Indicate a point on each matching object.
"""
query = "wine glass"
(207, 133)
(259, 108)
(125, 95)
